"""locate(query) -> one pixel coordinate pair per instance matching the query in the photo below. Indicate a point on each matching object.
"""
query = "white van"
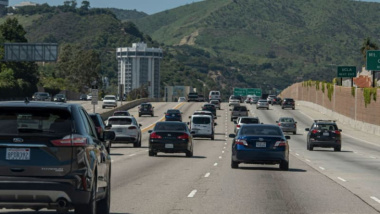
(214, 95)
(202, 126)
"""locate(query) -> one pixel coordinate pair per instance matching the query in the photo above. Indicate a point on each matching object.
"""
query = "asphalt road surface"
(320, 181)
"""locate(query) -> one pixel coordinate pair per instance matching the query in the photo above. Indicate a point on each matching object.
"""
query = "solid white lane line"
(297, 154)
(290, 150)
(215, 164)
(322, 168)
(307, 160)
(191, 195)
(131, 155)
(207, 175)
(355, 152)
(375, 199)
(220, 157)
(341, 179)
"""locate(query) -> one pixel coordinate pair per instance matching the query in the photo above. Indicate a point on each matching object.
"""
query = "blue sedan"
(173, 115)
(260, 144)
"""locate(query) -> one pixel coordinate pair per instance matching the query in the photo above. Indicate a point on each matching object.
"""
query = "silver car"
(262, 104)
(245, 120)
(287, 124)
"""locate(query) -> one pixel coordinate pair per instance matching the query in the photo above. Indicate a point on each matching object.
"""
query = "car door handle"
(17, 169)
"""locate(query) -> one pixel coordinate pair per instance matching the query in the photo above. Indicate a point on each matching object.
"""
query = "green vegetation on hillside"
(125, 15)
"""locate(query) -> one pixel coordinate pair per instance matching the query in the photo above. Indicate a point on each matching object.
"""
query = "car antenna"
(26, 100)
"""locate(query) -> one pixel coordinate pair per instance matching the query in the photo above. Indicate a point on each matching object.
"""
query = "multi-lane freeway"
(319, 181)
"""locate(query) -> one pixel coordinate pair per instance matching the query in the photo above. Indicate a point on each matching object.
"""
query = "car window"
(173, 111)
(121, 113)
(170, 127)
(287, 120)
(249, 120)
(330, 127)
(201, 120)
(120, 121)
(89, 125)
(259, 130)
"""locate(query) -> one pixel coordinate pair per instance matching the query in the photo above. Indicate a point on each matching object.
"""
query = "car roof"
(262, 125)
(201, 115)
(120, 117)
(36, 104)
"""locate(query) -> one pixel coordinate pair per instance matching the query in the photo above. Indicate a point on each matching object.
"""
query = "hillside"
(125, 15)
(278, 42)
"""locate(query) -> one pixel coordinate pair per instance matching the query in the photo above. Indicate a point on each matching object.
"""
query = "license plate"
(119, 130)
(169, 146)
(261, 144)
(173, 115)
(326, 134)
(18, 154)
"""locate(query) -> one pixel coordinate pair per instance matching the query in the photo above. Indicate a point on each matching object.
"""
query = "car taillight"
(70, 140)
(167, 114)
(237, 126)
(295, 125)
(314, 131)
(184, 136)
(279, 124)
(132, 127)
(154, 135)
(337, 132)
(241, 142)
(280, 143)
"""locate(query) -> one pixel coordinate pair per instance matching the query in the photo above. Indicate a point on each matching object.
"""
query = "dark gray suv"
(51, 157)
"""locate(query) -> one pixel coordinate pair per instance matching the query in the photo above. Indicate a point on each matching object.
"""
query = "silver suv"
(238, 111)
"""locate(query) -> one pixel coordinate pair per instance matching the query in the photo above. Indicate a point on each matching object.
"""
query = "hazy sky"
(147, 6)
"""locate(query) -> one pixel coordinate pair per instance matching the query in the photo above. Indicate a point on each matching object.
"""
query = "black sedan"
(260, 144)
(170, 137)
(59, 98)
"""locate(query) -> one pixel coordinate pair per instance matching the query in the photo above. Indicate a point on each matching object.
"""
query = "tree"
(366, 46)
(12, 31)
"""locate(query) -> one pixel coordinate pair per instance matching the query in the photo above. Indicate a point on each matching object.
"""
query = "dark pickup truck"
(192, 97)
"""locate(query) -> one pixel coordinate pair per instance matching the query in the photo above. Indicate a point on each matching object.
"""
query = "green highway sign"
(247, 91)
(346, 71)
(373, 61)
(254, 91)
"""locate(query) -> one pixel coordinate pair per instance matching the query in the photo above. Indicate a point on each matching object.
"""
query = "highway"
(319, 181)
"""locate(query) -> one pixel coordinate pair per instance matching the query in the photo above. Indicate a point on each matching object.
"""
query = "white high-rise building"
(139, 66)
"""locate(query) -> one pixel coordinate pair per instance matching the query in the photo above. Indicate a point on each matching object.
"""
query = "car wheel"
(139, 115)
(212, 137)
(103, 107)
(136, 144)
(189, 154)
(152, 115)
(284, 165)
(89, 208)
(293, 108)
(267, 108)
(282, 107)
(151, 153)
(337, 148)
(232, 119)
(234, 164)
(294, 133)
(104, 204)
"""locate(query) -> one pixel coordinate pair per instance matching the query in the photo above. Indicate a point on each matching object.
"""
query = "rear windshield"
(330, 127)
(120, 121)
(43, 94)
(214, 102)
(173, 111)
(260, 130)
(287, 120)
(121, 113)
(289, 100)
(215, 93)
(235, 97)
(249, 120)
(34, 121)
(201, 120)
(203, 113)
(170, 127)
(240, 108)
(109, 98)
(145, 105)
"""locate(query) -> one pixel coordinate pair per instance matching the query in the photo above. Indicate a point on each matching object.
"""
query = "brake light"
(314, 131)
(337, 132)
(241, 142)
(154, 135)
(280, 143)
(132, 127)
(279, 124)
(184, 136)
(237, 126)
(70, 140)
(167, 114)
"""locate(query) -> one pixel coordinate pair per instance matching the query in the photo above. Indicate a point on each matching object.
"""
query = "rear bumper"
(259, 157)
(109, 105)
(326, 144)
(16, 193)
(145, 113)
(124, 139)
(287, 106)
(177, 147)
(289, 129)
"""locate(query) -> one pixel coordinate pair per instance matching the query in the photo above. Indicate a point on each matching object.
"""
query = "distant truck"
(193, 96)
(201, 98)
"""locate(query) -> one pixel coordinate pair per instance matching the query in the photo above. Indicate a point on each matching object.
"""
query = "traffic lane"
(156, 184)
(356, 172)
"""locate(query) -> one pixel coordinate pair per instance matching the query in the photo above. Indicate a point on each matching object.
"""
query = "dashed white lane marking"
(341, 179)
(355, 152)
(290, 150)
(215, 164)
(147, 150)
(222, 151)
(131, 155)
(322, 168)
(225, 143)
(372, 157)
(308, 160)
(111, 160)
(297, 154)
(224, 147)
(192, 194)
(220, 157)
(375, 199)
(207, 175)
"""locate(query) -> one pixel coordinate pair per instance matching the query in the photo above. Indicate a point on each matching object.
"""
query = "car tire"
(232, 119)
(89, 208)
(282, 107)
(234, 164)
(284, 165)
(267, 108)
(104, 204)
(139, 115)
(294, 133)
(293, 108)
(189, 154)
(212, 137)
(337, 148)
(103, 107)
(137, 144)
(151, 153)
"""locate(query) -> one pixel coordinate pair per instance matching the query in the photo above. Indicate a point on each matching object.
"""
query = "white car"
(126, 129)
(262, 104)
(234, 101)
(182, 99)
(109, 101)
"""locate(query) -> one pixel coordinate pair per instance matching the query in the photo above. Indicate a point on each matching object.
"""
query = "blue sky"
(147, 6)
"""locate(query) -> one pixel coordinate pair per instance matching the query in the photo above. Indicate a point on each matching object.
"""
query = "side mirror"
(276, 121)
(287, 137)
(109, 135)
(307, 129)
(150, 131)
(109, 126)
(340, 130)
(231, 135)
